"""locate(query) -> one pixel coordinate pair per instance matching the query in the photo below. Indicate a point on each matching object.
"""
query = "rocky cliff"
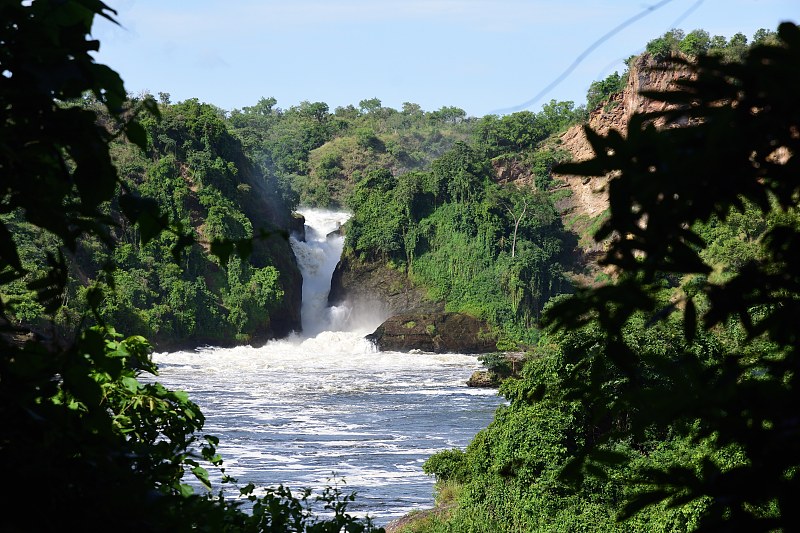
(588, 199)
(374, 285)
(435, 332)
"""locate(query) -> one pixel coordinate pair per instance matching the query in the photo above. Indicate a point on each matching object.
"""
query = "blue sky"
(484, 56)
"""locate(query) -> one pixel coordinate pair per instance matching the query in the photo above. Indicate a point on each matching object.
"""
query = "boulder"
(484, 379)
(375, 285)
(434, 332)
(338, 232)
(297, 226)
(500, 366)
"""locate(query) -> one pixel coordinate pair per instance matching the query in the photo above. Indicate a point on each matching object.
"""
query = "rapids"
(325, 404)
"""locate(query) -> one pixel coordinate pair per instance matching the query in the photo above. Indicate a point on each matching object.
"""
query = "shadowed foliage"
(85, 445)
(727, 143)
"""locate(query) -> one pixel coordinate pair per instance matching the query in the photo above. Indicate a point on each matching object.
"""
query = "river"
(326, 403)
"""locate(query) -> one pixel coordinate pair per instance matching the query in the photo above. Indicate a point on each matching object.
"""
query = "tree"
(410, 108)
(89, 445)
(695, 43)
(517, 218)
(717, 44)
(448, 114)
(460, 172)
(735, 144)
(556, 116)
(764, 36)
(264, 107)
(510, 133)
(369, 105)
(666, 45)
(316, 110)
(599, 91)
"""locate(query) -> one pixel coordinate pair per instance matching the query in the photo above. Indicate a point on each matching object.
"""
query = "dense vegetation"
(665, 400)
(699, 42)
(319, 155)
(423, 187)
(196, 175)
(666, 397)
(494, 251)
(85, 445)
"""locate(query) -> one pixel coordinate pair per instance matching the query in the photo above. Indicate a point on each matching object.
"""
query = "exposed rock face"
(513, 171)
(338, 232)
(435, 332)
(589, 197)
(373, 285)
(297, 227)
(484, 379)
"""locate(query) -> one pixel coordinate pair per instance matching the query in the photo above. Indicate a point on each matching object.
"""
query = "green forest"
(660, 336)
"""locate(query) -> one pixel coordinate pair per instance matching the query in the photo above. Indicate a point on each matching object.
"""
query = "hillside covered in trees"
(660, 385)
(236, 177)
(664, 398)
(461, 213)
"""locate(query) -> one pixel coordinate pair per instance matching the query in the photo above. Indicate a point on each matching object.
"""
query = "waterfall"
(317, 257)
(296, 410)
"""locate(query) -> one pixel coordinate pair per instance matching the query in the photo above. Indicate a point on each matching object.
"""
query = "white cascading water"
(325, 402)
(317, 258)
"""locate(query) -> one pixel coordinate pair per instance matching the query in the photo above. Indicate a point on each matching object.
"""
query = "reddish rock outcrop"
(589, 198)
(513, 171)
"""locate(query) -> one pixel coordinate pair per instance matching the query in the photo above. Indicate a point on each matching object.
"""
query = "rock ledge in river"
(434, 332)
(500, 366)
(484, 379)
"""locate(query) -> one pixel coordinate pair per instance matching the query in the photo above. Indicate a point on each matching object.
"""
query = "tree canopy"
(665, 398)
(83, 440)
(734, 149)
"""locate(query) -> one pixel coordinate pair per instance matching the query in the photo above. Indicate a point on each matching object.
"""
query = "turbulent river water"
(326, 404)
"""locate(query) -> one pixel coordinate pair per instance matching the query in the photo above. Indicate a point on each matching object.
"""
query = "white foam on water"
(297, 410)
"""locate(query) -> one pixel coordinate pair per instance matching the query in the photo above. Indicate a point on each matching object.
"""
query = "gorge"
(650, 286)
(299, 410)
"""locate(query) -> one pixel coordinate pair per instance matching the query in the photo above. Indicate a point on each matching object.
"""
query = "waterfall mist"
(317, 258)
(298, 410)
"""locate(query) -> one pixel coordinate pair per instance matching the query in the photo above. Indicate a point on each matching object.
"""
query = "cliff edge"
(587, 202)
